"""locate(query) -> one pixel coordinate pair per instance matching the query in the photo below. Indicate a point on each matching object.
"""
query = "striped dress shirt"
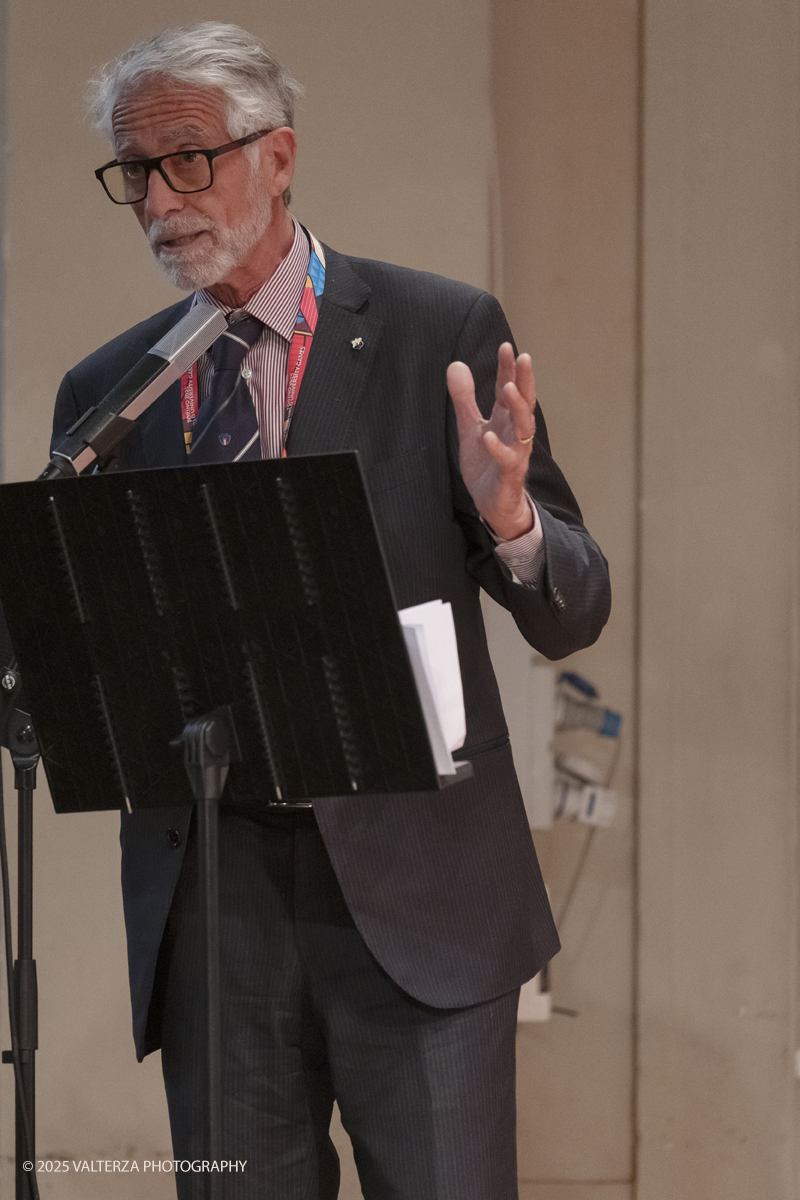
(277, 304)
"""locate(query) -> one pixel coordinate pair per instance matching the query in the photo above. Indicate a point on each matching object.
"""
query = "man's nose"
(161, 201)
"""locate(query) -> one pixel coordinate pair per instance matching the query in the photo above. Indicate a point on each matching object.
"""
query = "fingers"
(515, 392)
(521, 412)
(525, 381)
(515, 371)
(506, 369)
(519, 398)
(461, 387)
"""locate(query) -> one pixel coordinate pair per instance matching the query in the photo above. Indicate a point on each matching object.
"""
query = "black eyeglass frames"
(184, 171)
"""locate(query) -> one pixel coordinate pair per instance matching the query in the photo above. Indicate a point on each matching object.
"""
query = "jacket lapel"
(342, 353)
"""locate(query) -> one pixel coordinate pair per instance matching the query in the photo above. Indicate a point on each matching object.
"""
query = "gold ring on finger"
(526, 441)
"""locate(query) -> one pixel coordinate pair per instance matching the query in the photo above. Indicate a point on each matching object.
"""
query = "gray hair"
(259, 92)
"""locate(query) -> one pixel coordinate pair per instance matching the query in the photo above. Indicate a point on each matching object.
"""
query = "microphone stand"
(18, 736)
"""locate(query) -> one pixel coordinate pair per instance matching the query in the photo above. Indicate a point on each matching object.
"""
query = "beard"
(201, 266)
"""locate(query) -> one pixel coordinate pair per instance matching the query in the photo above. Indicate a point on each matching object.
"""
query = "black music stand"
(242, 611)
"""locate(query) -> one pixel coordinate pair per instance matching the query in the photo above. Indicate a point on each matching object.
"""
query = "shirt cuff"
(524, 556)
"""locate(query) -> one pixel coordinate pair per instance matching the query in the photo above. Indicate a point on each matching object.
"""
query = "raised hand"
(494, 454)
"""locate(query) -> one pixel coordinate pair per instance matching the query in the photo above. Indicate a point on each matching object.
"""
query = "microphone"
(101, 428)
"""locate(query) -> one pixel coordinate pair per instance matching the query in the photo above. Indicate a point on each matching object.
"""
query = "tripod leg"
(25, 979)
(207, 829)
(207, 755)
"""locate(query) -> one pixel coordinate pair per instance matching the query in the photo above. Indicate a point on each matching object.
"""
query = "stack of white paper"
(430, 637)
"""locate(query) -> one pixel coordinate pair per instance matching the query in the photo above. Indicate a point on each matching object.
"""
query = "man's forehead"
(161, 113)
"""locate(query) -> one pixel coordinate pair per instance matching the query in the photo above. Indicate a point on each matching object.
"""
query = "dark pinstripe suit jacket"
(444, 887)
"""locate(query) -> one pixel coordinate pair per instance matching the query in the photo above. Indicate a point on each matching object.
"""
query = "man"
(372, 947)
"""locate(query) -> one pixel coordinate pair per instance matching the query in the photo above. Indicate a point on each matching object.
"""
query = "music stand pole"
(20, 738)
(207, 745)
(25, 967)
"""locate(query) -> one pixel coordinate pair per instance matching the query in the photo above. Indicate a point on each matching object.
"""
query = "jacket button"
(558, 599)
(174, 838)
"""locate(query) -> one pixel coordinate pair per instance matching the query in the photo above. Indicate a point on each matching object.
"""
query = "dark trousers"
(426, 1095)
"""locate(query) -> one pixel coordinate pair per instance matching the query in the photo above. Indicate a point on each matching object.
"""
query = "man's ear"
(279, 153)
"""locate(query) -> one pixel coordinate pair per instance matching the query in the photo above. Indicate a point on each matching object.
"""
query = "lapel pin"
(357, 343)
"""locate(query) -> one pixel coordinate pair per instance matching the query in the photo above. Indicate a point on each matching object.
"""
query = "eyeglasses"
(186, 171)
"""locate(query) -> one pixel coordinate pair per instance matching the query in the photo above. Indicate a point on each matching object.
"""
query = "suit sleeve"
(571, 605)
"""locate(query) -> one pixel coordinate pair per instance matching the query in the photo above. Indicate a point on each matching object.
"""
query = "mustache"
(174, 227)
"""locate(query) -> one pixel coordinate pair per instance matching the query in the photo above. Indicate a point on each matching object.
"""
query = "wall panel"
(565, 108)
(718, 669)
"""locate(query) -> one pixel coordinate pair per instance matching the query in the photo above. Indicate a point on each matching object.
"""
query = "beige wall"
(702, 439)
(565, 103)
(719, 594)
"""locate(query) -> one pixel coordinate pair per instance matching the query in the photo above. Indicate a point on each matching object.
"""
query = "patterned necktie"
(226, 429)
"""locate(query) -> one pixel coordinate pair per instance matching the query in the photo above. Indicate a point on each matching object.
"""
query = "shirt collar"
(277, 302)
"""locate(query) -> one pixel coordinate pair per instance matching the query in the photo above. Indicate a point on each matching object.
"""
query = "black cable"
(12, 1001)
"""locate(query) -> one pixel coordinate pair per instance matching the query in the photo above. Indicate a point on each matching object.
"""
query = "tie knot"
(229, 350)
